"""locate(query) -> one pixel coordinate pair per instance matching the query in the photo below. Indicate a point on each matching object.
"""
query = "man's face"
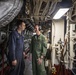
(23, 26)
(36, 28)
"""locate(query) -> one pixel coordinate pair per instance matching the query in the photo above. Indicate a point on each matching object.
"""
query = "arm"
(44, 47)
(12, 46)
(43, 52)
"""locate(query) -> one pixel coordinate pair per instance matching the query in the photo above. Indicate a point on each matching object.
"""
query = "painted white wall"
(57, 33)
(57, 30)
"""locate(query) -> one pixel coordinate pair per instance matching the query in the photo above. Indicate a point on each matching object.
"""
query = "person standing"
(38, 50)
(16, 49)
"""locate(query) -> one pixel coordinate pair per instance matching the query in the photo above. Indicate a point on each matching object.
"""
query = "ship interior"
(60, 32)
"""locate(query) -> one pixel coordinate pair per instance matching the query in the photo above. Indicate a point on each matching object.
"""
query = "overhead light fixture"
(60, 13)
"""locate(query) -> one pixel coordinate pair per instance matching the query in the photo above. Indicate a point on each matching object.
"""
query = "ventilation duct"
(9, 10)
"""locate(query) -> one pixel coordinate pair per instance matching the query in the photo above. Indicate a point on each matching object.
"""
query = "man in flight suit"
(16, 46)
(38, 50)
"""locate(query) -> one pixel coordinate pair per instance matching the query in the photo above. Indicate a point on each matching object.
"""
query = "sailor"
(16, 49)
(38, 50)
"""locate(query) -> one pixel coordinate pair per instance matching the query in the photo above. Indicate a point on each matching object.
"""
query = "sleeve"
(23, 42)
(44, 47)
(12, 46)
(23, 45)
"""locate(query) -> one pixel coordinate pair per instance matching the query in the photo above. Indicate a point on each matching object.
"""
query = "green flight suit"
(38, 49)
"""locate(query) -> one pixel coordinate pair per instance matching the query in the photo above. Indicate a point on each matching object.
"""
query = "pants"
(38, 69)
(18, 69)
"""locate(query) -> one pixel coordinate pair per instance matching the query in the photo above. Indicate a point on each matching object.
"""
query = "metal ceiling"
(43, 10)
(35, 10)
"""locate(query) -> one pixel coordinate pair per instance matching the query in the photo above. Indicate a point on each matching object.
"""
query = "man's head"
(21, 25)
(37, 29)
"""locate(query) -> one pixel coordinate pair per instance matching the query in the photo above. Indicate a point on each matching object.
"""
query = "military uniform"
(38, 49)
(16, 45)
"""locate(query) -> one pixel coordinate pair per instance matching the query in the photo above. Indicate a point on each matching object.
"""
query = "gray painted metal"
(9, 10)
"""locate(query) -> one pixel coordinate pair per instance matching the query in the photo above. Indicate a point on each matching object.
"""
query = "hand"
(39, 61)
(24, 54)
(14, 63)
(42, 57)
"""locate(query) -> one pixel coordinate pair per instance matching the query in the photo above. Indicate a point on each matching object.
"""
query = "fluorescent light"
(60, 13)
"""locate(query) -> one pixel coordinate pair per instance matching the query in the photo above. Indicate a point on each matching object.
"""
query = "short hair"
(38, 26)
(19, 22)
